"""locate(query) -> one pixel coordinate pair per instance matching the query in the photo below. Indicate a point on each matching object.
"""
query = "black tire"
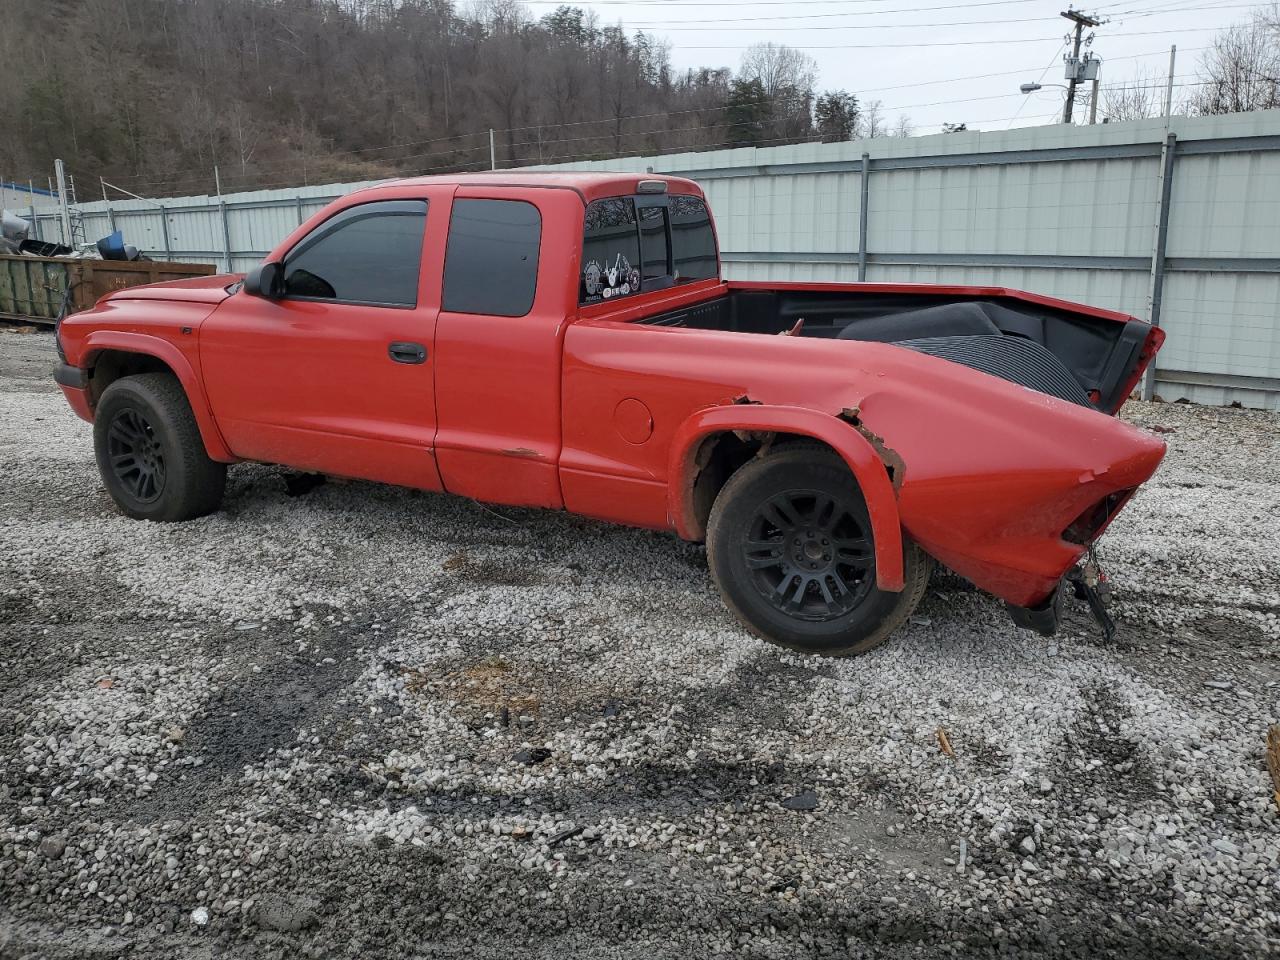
(809, 584)
(150, 454)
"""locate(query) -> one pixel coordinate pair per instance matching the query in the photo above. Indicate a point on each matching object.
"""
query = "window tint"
(610, 251)
(491, 264)
(693, 243)
(368, 254)
(653, 245)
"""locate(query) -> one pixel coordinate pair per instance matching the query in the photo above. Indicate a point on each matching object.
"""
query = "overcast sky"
(914, 54)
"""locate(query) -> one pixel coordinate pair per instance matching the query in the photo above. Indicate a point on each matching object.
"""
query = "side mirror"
(265, 280)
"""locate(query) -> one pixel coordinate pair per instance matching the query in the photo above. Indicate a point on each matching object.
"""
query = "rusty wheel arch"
(715, 441)
(720, 454)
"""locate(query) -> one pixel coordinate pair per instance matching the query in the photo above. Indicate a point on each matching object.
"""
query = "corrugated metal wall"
(1072, 212)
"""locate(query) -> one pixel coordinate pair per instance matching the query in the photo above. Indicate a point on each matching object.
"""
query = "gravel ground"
(366, 722)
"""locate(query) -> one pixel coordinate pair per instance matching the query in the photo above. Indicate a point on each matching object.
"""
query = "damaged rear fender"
(866, 464)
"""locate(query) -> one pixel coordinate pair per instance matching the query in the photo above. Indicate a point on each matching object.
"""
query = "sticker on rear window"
(610, 279)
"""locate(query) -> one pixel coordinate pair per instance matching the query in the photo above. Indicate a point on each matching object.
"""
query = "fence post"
(299, 199)
(1155, 289)
(64, 211)
(226, 236)
(865, 185)
(164, 222)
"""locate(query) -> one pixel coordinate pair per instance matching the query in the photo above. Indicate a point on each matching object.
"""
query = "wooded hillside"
(152, 94)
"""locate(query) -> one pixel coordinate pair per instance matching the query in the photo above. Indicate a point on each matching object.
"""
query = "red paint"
(587, 410)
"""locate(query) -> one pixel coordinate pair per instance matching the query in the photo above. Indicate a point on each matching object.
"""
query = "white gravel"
(368, 722)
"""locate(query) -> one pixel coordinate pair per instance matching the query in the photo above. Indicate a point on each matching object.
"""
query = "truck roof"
(589, 184)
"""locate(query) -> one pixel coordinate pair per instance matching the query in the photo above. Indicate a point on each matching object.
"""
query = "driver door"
(336, 376)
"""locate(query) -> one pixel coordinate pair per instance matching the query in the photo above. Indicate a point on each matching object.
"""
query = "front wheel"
(789, 545)
(150, 454)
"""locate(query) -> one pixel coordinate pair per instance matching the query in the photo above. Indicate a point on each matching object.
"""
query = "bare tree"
(1241, 69)
(1133, 99)
(873, 121)
(904, 127)
(779, 68)
(787, 77)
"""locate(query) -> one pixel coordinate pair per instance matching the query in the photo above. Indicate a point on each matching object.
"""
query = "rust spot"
(523, 452)
(893, 461)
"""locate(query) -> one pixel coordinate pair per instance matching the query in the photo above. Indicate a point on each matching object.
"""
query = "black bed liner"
(1073, 356)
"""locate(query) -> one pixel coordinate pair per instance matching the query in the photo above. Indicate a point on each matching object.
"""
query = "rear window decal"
(610, 280)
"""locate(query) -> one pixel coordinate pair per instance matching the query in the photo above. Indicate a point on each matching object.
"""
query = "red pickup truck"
(565, 340)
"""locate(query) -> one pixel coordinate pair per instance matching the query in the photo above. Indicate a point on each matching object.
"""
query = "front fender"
(96, 341)
(865, 463)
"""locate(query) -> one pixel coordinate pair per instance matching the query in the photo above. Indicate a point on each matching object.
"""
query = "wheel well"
(110, 365)
(719, 455)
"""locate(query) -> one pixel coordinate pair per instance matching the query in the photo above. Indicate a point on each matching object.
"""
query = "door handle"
(404, 352)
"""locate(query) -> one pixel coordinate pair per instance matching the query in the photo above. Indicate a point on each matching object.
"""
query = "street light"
(1033, 87)
(1030, 88)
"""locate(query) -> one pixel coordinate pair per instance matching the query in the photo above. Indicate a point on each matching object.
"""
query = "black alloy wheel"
(809, 554)
(136, 455)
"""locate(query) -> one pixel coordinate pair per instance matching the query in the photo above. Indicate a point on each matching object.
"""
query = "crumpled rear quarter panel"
(991, 473)
(994, 473)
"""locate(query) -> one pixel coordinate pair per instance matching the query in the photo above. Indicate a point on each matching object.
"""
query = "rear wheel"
(149, 451)
(789, 545)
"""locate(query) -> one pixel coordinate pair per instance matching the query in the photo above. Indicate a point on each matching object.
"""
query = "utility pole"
(64, 212)
(1168, 90)
(1081, 21)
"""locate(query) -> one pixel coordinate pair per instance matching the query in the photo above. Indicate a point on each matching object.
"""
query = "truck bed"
(1078, 354)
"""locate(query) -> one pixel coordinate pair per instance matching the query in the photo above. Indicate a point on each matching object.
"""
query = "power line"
(718, 24)
(668, 4)
(917, 45)
(847, 26)
(669, 24)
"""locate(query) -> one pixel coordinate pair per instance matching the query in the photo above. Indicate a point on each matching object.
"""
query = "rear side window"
(491, 263)
(370, 253)
(610, 251)
(693, 242)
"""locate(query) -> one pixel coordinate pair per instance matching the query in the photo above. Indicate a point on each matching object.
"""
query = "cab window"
(371, 254)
